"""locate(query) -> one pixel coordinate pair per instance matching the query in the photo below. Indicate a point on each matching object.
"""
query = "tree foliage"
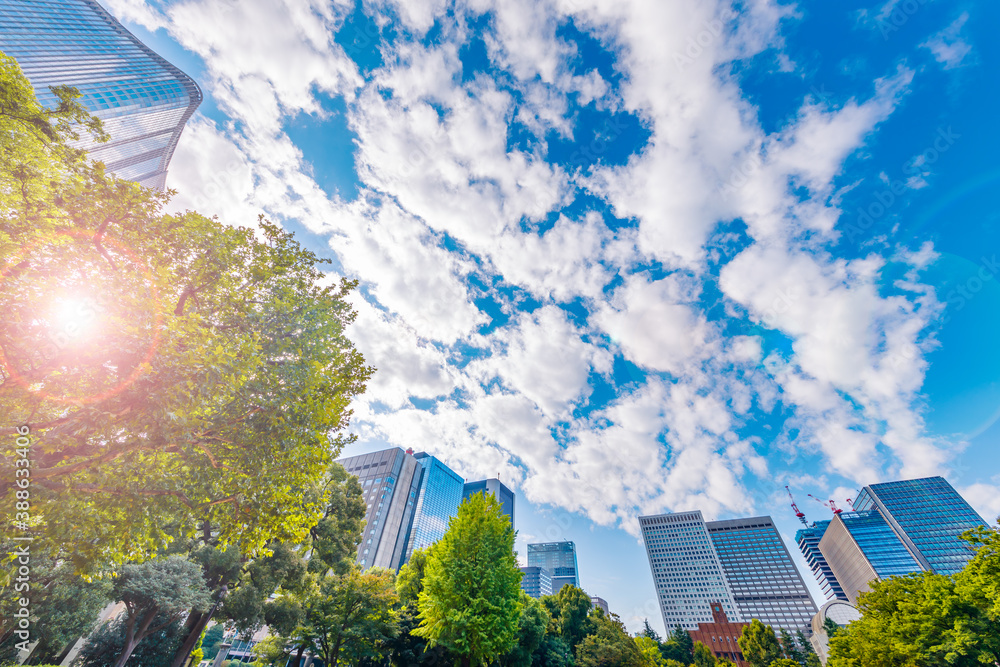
(351, 616)
(703, 656)
(679, 646)
(649, 648)
(570, 609)
(104, 647)
(609, 645)
(172, 370)
(531, 628)
(918, 619)
(64, 605)
(470, 602)
(157, 594)
(759, 644)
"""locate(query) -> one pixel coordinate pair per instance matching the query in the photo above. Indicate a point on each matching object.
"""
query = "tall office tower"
(861, 547)
(559, 558)
(927, 515)
(536, 581)
(808, 540)
(143, 100)
(762, 576)
(438, 498)
(390, 480)
(499, 491)
(686, 571)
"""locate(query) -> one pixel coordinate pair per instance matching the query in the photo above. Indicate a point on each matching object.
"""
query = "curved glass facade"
(143, 100)
(928, 515)
(437, 502)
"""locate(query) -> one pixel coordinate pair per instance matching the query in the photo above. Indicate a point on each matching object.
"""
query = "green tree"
(979, 581)
(553, 652)
(759, 644)
(724, 662)
(531, 627)
(810, 659)
(679, 646)
(609, 645)
(470, 602)
(213, 639)
(64, 604)
(570, 611)
(648, 631)
(106, 644)
(650, 649)
(790, 649)
(407, 649)
(171, 370)
(784, 662)
(830, 627)
(351, 615)
(918, 619)
(156, 595)
(703, 656)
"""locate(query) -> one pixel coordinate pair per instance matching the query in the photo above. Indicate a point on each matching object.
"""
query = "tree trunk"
(194, 626)
(298, 656)
(126, 653)
(133, 636)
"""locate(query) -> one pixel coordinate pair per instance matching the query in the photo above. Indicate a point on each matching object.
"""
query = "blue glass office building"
(536, 581)
(498, 490)
(143, 100)
(762, 577)
(928, 516)
(808, 541)
(437, 502)
(898, 528)
(559, 558)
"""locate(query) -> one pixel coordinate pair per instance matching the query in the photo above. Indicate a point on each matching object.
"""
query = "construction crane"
(798, 514)
(830, 503)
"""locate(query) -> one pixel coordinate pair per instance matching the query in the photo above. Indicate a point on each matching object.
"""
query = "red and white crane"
(798, 513)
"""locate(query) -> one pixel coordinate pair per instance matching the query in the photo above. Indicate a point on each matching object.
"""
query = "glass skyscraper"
(499, 491)
(437, 501)
(143, 100)
(536, 581)
(740, 566)
(761, 574)
(686, 570)
(898, 528)
(861, 547)
(927, 515)
(808, 541)
(559, 558)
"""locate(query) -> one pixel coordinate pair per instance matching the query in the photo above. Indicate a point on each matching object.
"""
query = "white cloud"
(948, 46)
(985, 499)
(451, 209)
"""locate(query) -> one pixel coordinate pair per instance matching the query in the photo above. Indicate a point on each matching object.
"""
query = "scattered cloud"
(635, 318)
(948, 46)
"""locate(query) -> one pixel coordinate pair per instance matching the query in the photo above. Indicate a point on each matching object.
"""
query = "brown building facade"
(720, 636)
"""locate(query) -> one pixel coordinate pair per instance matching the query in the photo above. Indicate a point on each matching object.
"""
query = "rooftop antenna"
(798, 514)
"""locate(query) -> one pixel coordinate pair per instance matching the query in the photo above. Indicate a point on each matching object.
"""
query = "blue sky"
(634, 257)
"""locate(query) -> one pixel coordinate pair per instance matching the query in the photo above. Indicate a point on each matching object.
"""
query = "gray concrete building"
(390, 481)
